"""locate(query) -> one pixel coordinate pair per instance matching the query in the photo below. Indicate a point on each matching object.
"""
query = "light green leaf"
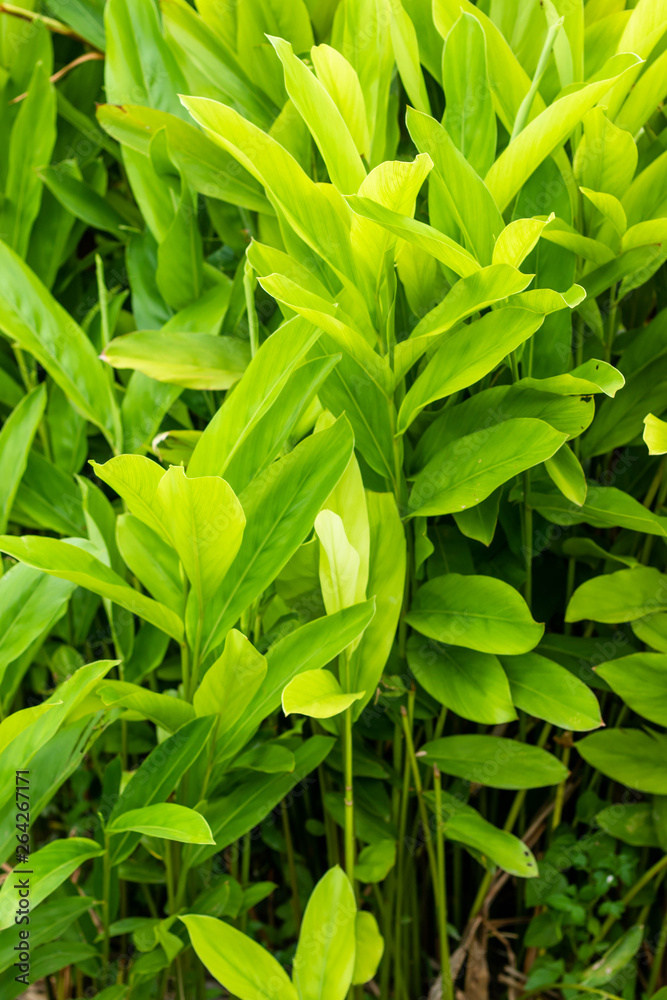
(467, 471)
(339, 562)
(468, 198)
(619, 597)
(280, 507)
(72, 562)
(464, 824)
(167, 712)
(16, 439)
(517, 240)
(495, 761)
(478, 612)
(166, 820)
(655, 435)
(324, 960)
(193, 360)
(467, 296)
(153, 561)
(653, 631)
(236, 961)
(610, 207)
(591, 377)
(615, 958)
(547, 132)
(635, 758)
(469, 116)
(49, 868)
(641, 681)
(30, 316)
(136, 478)
(467, 354)
(549, 691)
(565, 471)
(230, 685)
(468, 682)
(406, 52)
(259, 388)
(205, 523)
(318, 694)
(369, 947)
(437, 244)
(318, 110)
(375, 861)
(340, 80)
(631, 822)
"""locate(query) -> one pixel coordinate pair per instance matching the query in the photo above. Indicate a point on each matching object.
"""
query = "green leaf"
(631, 822)
(30, 316)
(253, 797)
(203, 165)
(653, 631)
(167, 712)
(478, 612)
(158, 776)
(375, 861)
(592, 377)
(49, 867)
(619, 597)
(547, 132)
(231, 684)
(470, 118)
(615, 958)
(369, 947)
(66, 183)
(467, 296)
(323, 118)
(339, 563)
(280, 508)
(471, 468)
(605, 507)
(464, 824)
(318, 694)
(495, 761)
(641, 681)
(467, 354)
(517, 240)
(153, 562)
(31, 143)
(193, 360)
(341, 81)
(417, 233)
(325, 954)
(136, 479)
(548, 691)
(205, 523)
(655, 435)
(16, 439)
(468, 682)
(236, 961)
(264, 379)
(565, 471)
(74, 563)
(309, 647)
(468, 198)
(406, 52)
(166, 820)
(630, 756)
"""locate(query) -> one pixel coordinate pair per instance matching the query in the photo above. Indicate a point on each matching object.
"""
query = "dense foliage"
(332, 494)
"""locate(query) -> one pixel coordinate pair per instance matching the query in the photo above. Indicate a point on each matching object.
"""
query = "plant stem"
(106, 891)
(446, 975)
(560, 791)
(441, 885)
(249, 289)
(349, 799)
(291, 867)
(658, 957)
(527, 102)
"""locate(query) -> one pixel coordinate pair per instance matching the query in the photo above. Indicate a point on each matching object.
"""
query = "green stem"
(106, 894)
(658, 957)
(350, 850)
(400, 865)
(245, 868)
(527, 102)
(447, 985)
(291, 867)
(407, 730)
(528, 540)
(249, 289)
(560, 791)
